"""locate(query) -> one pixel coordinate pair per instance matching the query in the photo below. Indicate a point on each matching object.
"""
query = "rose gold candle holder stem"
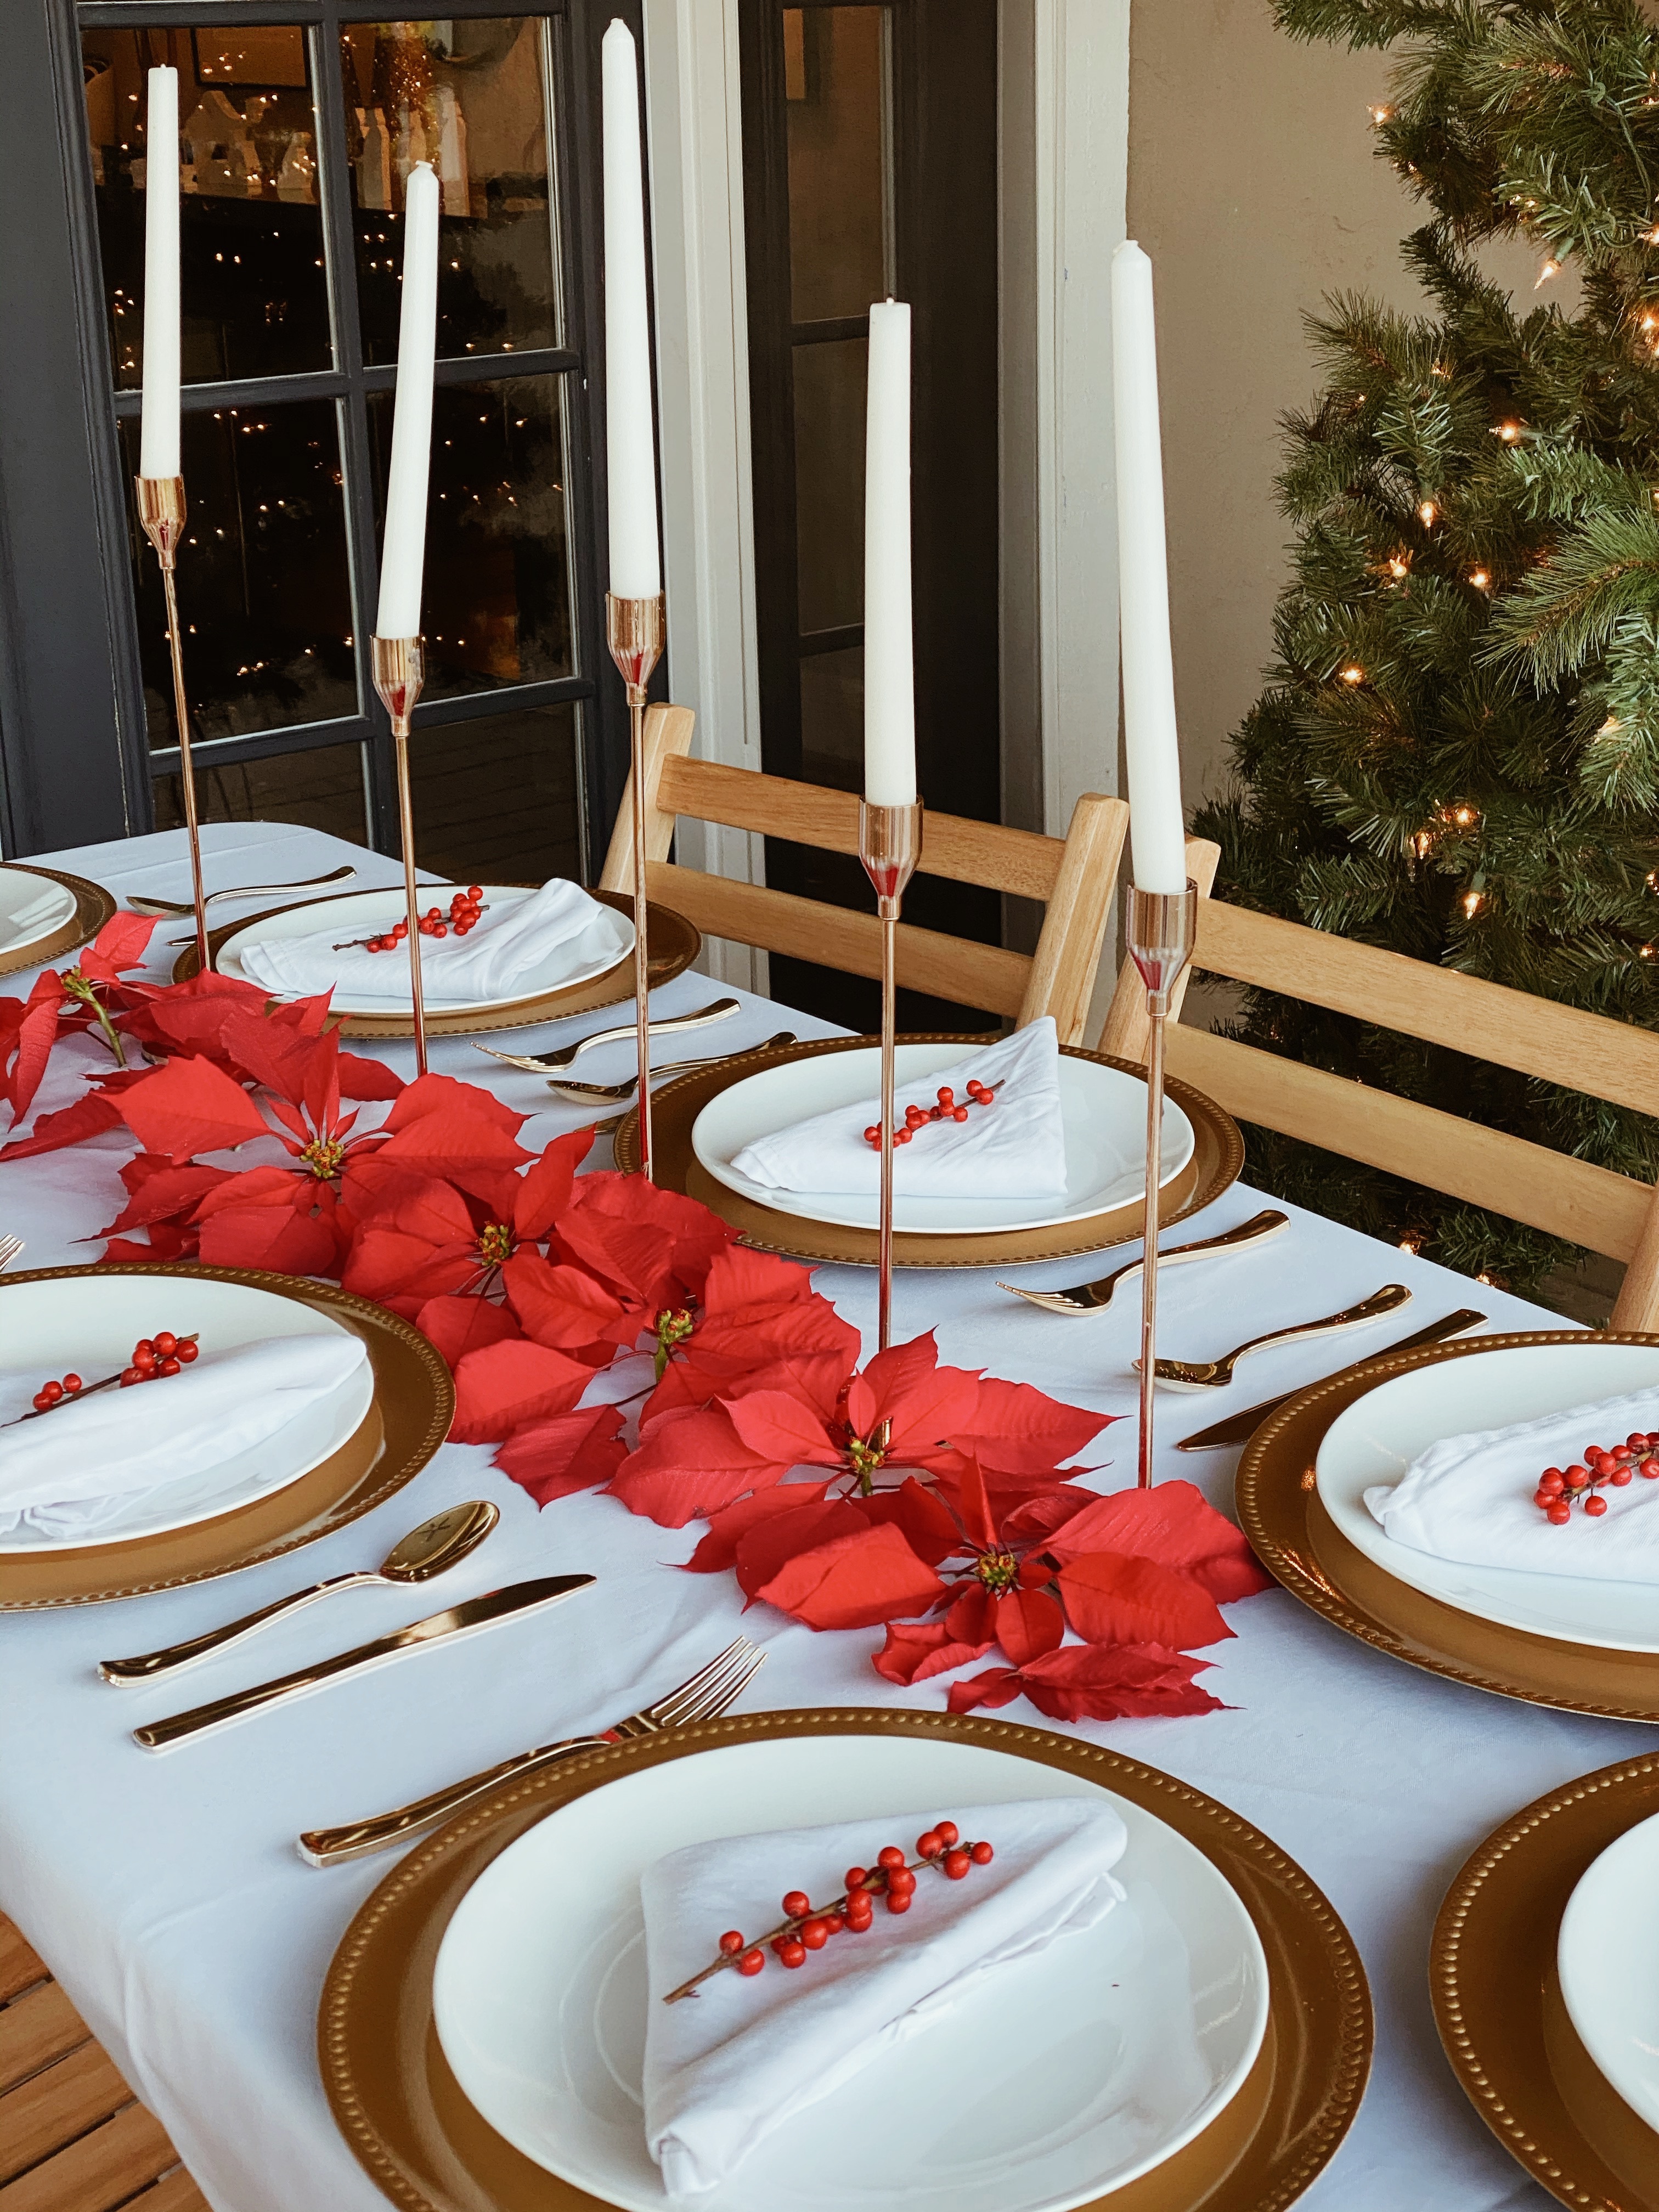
(399, 667)
(1162, 926)
(162, 511)
(635, 630)
(890, 846)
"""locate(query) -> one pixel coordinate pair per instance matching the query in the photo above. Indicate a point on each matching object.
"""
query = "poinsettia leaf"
(273, 1237)
(166, 1242)
(159, 1191)
(1173, 1523)
(506, 1386)
(1121, 1597)
(718, 1550)
(739, 1278)
(403, 1272)
(562, 1306)
(71, 1125)
(776, 1425)
(856, 1581)
(543, 1190)
(915, 1650)
(455, 1144)
(922, 1402)
(771, 1542)
(928, 1525)
(972, 1618)
(121, 943)
(1091, 1681)
(553, 1459)
(367, 1079)
(190, 1106)
(1029, 1623)
(651, 1243)
(973, 1503)
(1037, 1514)
(445, 1094)
(274, 1055)
(37, 1033)
(689, 1467)
(1019, 1430)
(458, 1326)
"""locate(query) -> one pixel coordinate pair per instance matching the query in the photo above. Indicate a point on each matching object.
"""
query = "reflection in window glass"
(836, 86)
(496, 603)
(469, 97)
(253, 289)
(832, 718)
(829, 482)
(264, 598)
(497, 800)
(322, 789)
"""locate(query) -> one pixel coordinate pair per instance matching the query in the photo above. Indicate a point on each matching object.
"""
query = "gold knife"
(1239, 1428)
(466, 1620)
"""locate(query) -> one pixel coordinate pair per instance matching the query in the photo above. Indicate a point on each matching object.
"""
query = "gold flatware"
(171, 908)
(437, 1544)
(580, 1094)
(1217, 1374)
(518, 1599)
(703, 1696)
(1095, 1296)
(1239, 1428)
(541, 1063)
(11, 1247)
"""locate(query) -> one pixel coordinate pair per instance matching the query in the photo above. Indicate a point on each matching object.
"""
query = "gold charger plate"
(413, 1402)
(1216, 1162)
(1498, 2002)
(93, 906)
(402, 2112)
(1281, 1513)
(671, 942)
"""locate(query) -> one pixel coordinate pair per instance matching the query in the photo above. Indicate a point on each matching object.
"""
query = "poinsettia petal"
(563, 1306)
(190, 1106)
(544, 1191)
(651, 1243)
(1118, 1597)
(856, 1581)
(121, 943)
(458, 1326)
(506, 1386)
(1100, 1682)
(997, 1685)
(444, 1094)
(273, 1237)
(1039, 1513)
(690, 1467)
(367, 1079)
(718, 1550)
(71, 1125)
(974, 1506)
(926, 1524)
(1029, 1623)
(1020, 1431)
(915, 1650)
(776, 1425)
(37, 1033)
(555, 1458)
(738, 1277)
(767, 1546)
(973, 1618)
(1173, 1523)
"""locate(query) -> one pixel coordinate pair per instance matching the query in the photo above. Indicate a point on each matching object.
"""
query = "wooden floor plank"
(173, 2192)
(52, 2107)
(103, 2169)
(34, 2029)
(18, 1966)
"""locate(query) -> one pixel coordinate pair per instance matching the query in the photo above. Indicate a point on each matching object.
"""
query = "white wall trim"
(693, 119)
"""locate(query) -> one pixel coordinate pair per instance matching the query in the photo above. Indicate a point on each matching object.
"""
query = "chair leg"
(1636, 1307)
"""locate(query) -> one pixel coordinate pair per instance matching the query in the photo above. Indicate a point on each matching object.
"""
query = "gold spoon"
(436, 1545)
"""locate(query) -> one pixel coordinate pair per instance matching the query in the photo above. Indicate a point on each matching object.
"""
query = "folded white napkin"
(1470, 1497)
(516, 940)
(1015, 1148)
(91, 1462)
(727, 2068)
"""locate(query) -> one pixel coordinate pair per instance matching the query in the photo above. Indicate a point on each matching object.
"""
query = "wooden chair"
(1075, 879)
(1613, 1214)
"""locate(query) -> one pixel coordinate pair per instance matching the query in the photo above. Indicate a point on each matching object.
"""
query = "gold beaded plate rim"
(413, 1405)
(404, 2116)
(1281, 1511)
(1497, 2003)
(94, 907)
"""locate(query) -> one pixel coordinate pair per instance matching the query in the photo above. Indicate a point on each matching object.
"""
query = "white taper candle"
(890, 689)
(1156, 832)
(630, 438)
(403, 552)
(158, 443)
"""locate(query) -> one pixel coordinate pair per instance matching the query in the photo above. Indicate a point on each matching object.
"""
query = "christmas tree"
(1457, 753)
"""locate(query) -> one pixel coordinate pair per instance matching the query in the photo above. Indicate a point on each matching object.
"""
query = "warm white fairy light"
(1550, 269)
(1381, 115)
(1479, 578)
(1471, 904)
(1399, 567)
(1353, 675)
(1508, 432)
(1428, 514)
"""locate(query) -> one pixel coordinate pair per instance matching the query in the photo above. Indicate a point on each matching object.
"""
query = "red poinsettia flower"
(755, 1312)
(1094, 1682)
(62, 1002)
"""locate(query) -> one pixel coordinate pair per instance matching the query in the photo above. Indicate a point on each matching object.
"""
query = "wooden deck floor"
(72, 2138)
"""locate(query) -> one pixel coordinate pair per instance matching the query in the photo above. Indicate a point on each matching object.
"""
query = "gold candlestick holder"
(890, 846)
(400, 666)
(1163, 926)
(635, 630)
(162, 511)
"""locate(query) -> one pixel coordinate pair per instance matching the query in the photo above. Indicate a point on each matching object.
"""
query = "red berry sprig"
(465, 910)
(808, 1927)
(153, 1356)
(1560, 1489)
(947, 1110)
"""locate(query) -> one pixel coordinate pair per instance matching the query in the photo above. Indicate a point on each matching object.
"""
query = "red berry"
(1624, 1476)
(860, 1918)
(957, 1864)
(1560, 1514)
(72, 1383)
(836, 1922)
(899, 1901)
(167, 1343)
(1577, 1478)
(855, 1878)
(168, 1367)
(900, 1882)
(902, 1136)
(752, 1962)
(872, 1135)
(439, 929)
(732, 1941)
(778, 1942)
(144, 1344)
(1543, 1497)
(815, 1933)
(982, 1854)
(1649, 1468)
(889, 1856)
(475, 890)
(792, 1954)
(1595, 1507)
(1636, 1441)
(129, 1375)
(959, 1113)
(188, 1349)
(463, 929)
(42, 1401)
(796, 1902)
(51, 1392)
(948, 1832)
(929, 1844)
(1553, 1480)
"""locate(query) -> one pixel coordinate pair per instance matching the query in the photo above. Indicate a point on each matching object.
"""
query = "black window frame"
(75, 762)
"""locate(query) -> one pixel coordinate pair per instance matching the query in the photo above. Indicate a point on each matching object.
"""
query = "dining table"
(166, 1895)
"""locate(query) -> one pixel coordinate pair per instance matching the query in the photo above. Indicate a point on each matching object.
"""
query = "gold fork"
(1094, 1297)
(583, 1094)
(703, 1696)
(171, 909)
(1217, 1374)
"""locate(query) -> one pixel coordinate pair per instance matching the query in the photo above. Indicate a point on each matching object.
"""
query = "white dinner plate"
(31, 909)
(1608, 1956)
(88, 1326)
(607, 940)
(1103, 1111)
(1058, 2078)
(1375, 1439)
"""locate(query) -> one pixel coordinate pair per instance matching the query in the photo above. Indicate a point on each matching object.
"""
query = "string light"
(1479, 578)
(1463, 816)
(1381, 115)
(1353, 675)
(1508, 432)
(1550, 269)
(1428, 514)
(1399, 567)
(1409, 1244)
(1471, 904)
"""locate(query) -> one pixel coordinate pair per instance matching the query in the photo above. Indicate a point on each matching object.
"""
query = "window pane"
(468, 96)
(496, 604)
(832, 718)
(835, 80)
(254, 298)
(322, 789)
(262, 596)
(496, 799)
(829, 482)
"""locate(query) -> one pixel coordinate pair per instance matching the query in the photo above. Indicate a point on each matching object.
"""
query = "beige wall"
(1254, 186)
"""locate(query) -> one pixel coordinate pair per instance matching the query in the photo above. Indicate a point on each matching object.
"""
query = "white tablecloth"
(166, 1893)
